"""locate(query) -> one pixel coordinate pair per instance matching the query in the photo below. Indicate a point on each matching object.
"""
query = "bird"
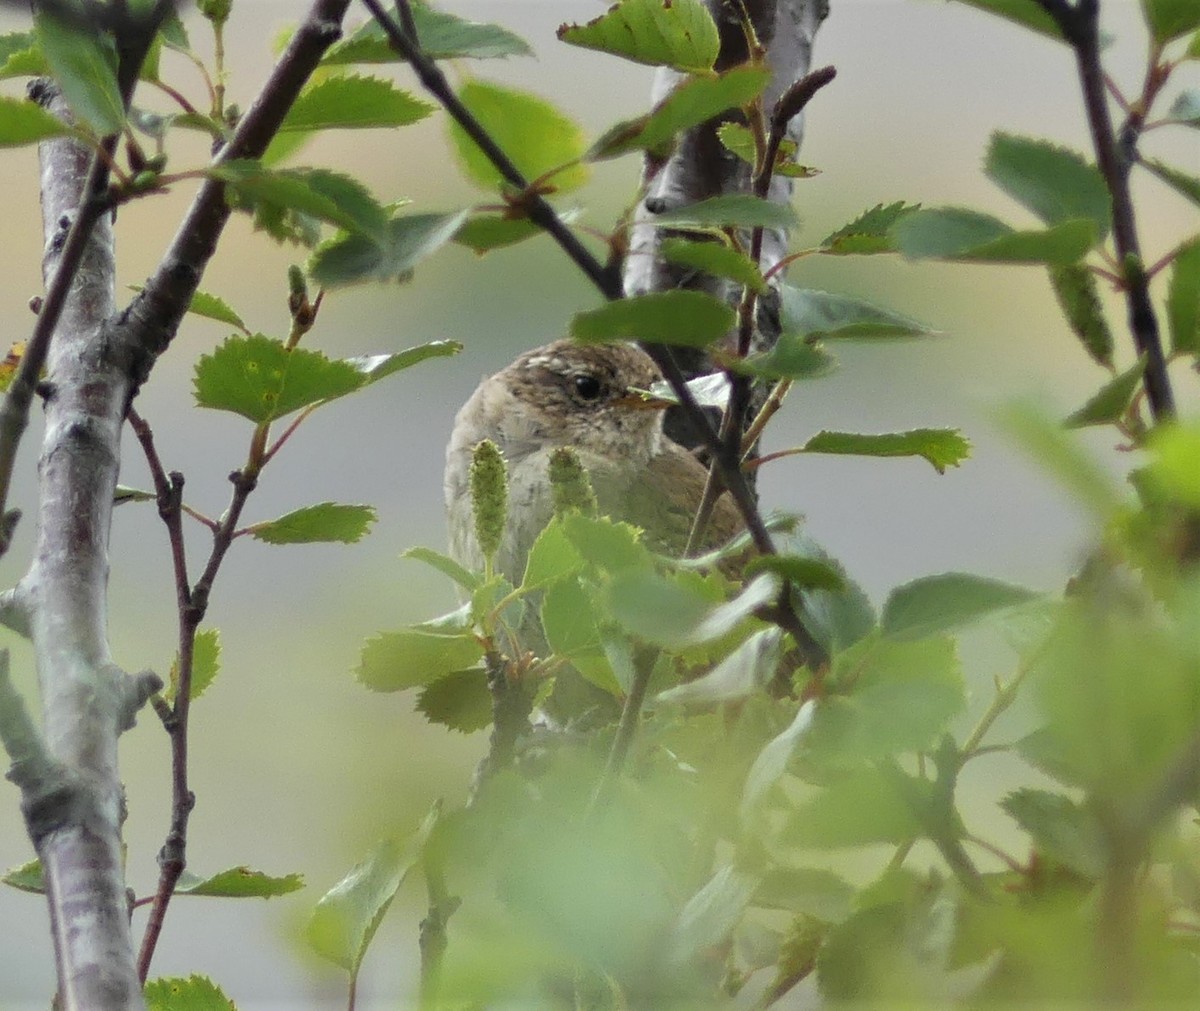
(582, 396)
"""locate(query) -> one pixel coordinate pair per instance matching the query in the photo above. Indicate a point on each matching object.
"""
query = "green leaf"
(772, 762)
(568, 620)
(551, 558)
(858, 809)
(1111, 401)
(538, 138)
(802, 572)
(1028, 13)
(485, 232)
(211, 307)
(23, 122)
(1060, 828)
(239, 883)
(353, 102)
(25, 62)
(84, 62)
(934, 604)
(16, 44)
(442, 36)
(669, 611)
(609, 545)
(376, 367)
(1056, 184)
(709, 917)
(206, 665)
(262, 380)
(1186, 107)
(320, 193)
(26, 878)
(740, 140)
(870, 232)
(733, 209)
(956, 234)
(347, 916)
(942, 447)
(353, 259)
(1180, 182)
(196, 993)
(693, 101)
(325, 522)
(1075, 288)
(460, 701)
(1168, 19)
(817, 893)
(1183, 299)
(744, 672)
(412, 658)
(792, 357)
(715, 258)
(806, 312)
(446, 565)
(1193, 49)
(671, 33)
(680, 317)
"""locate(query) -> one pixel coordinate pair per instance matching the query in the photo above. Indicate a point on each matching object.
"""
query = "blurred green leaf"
(956, 234)
(84, 62)
(325, 522)
(792, 357)
(688, 318)
(1060, 828)
(772, 762)
(942, 447)
(858, 809)
(442, 36)
(211, 307)
(353, 102)
(714, 258)
(568, 620)
(347, 916)
(1168, 19)
(26, 878)
(538, 138)
(709, 917)
(406, 240)
(444, 564)
(485, 232)
(1193, 49)
(1111, 401)
(739, 139)
(802, 572)
(734, 209)
(806, 891)
(679, 34)
(946, 602)
(744, 672)
(206, 665)
(196, 993)
(239, 883)
(1175, 466)
(459, 701)
(870, 232)
(19, 55)
(1186, 108)
(376, 367)
(670, 611)
(1028, 13)
(1183, 300)
(1180, 182)
(412, 658)
(262, 380)
(1075, 288)
(1054, 183)
(23, 122)
(807, 312)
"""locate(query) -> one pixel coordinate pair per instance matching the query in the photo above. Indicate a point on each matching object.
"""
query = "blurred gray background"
(295, 766)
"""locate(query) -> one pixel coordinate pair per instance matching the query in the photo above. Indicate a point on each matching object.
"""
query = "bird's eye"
(587, 386)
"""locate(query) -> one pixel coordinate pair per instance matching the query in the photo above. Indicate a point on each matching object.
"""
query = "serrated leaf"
(1028, 13)
(733, 209)
(239, 883)
(442, 36)
(772, 762)
(262, 380)
(679, 317)
(806, 312)
(744, 672)
(1060, 828)
(538, 138)
(667, 611)
(405, 241)
(84, 62)
(609, 545)
(953, 233)
(1168, 19)
(1183, 299)
(942, 447)
(693, 101)
(446, 565)
(25, 62)
(24, 122)
(740, 140)
(206, 665)
(376, 367)
(1180, 182)
(413, 658)
(1075, 288)
(807, 891)
(714, 258)
(552, 557)
(328, 196)
(1056, 184)
(347, 916)
(460, 701)
(322, 523)
(353, 102)
(671, 33)
(195, 993)
(935, 604)
(26, 878)
(870, 232)
(1111, 401)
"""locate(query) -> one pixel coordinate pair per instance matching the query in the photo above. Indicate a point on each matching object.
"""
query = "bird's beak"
(643, 400)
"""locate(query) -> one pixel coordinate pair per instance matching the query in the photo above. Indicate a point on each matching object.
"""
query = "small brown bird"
(567, 394)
